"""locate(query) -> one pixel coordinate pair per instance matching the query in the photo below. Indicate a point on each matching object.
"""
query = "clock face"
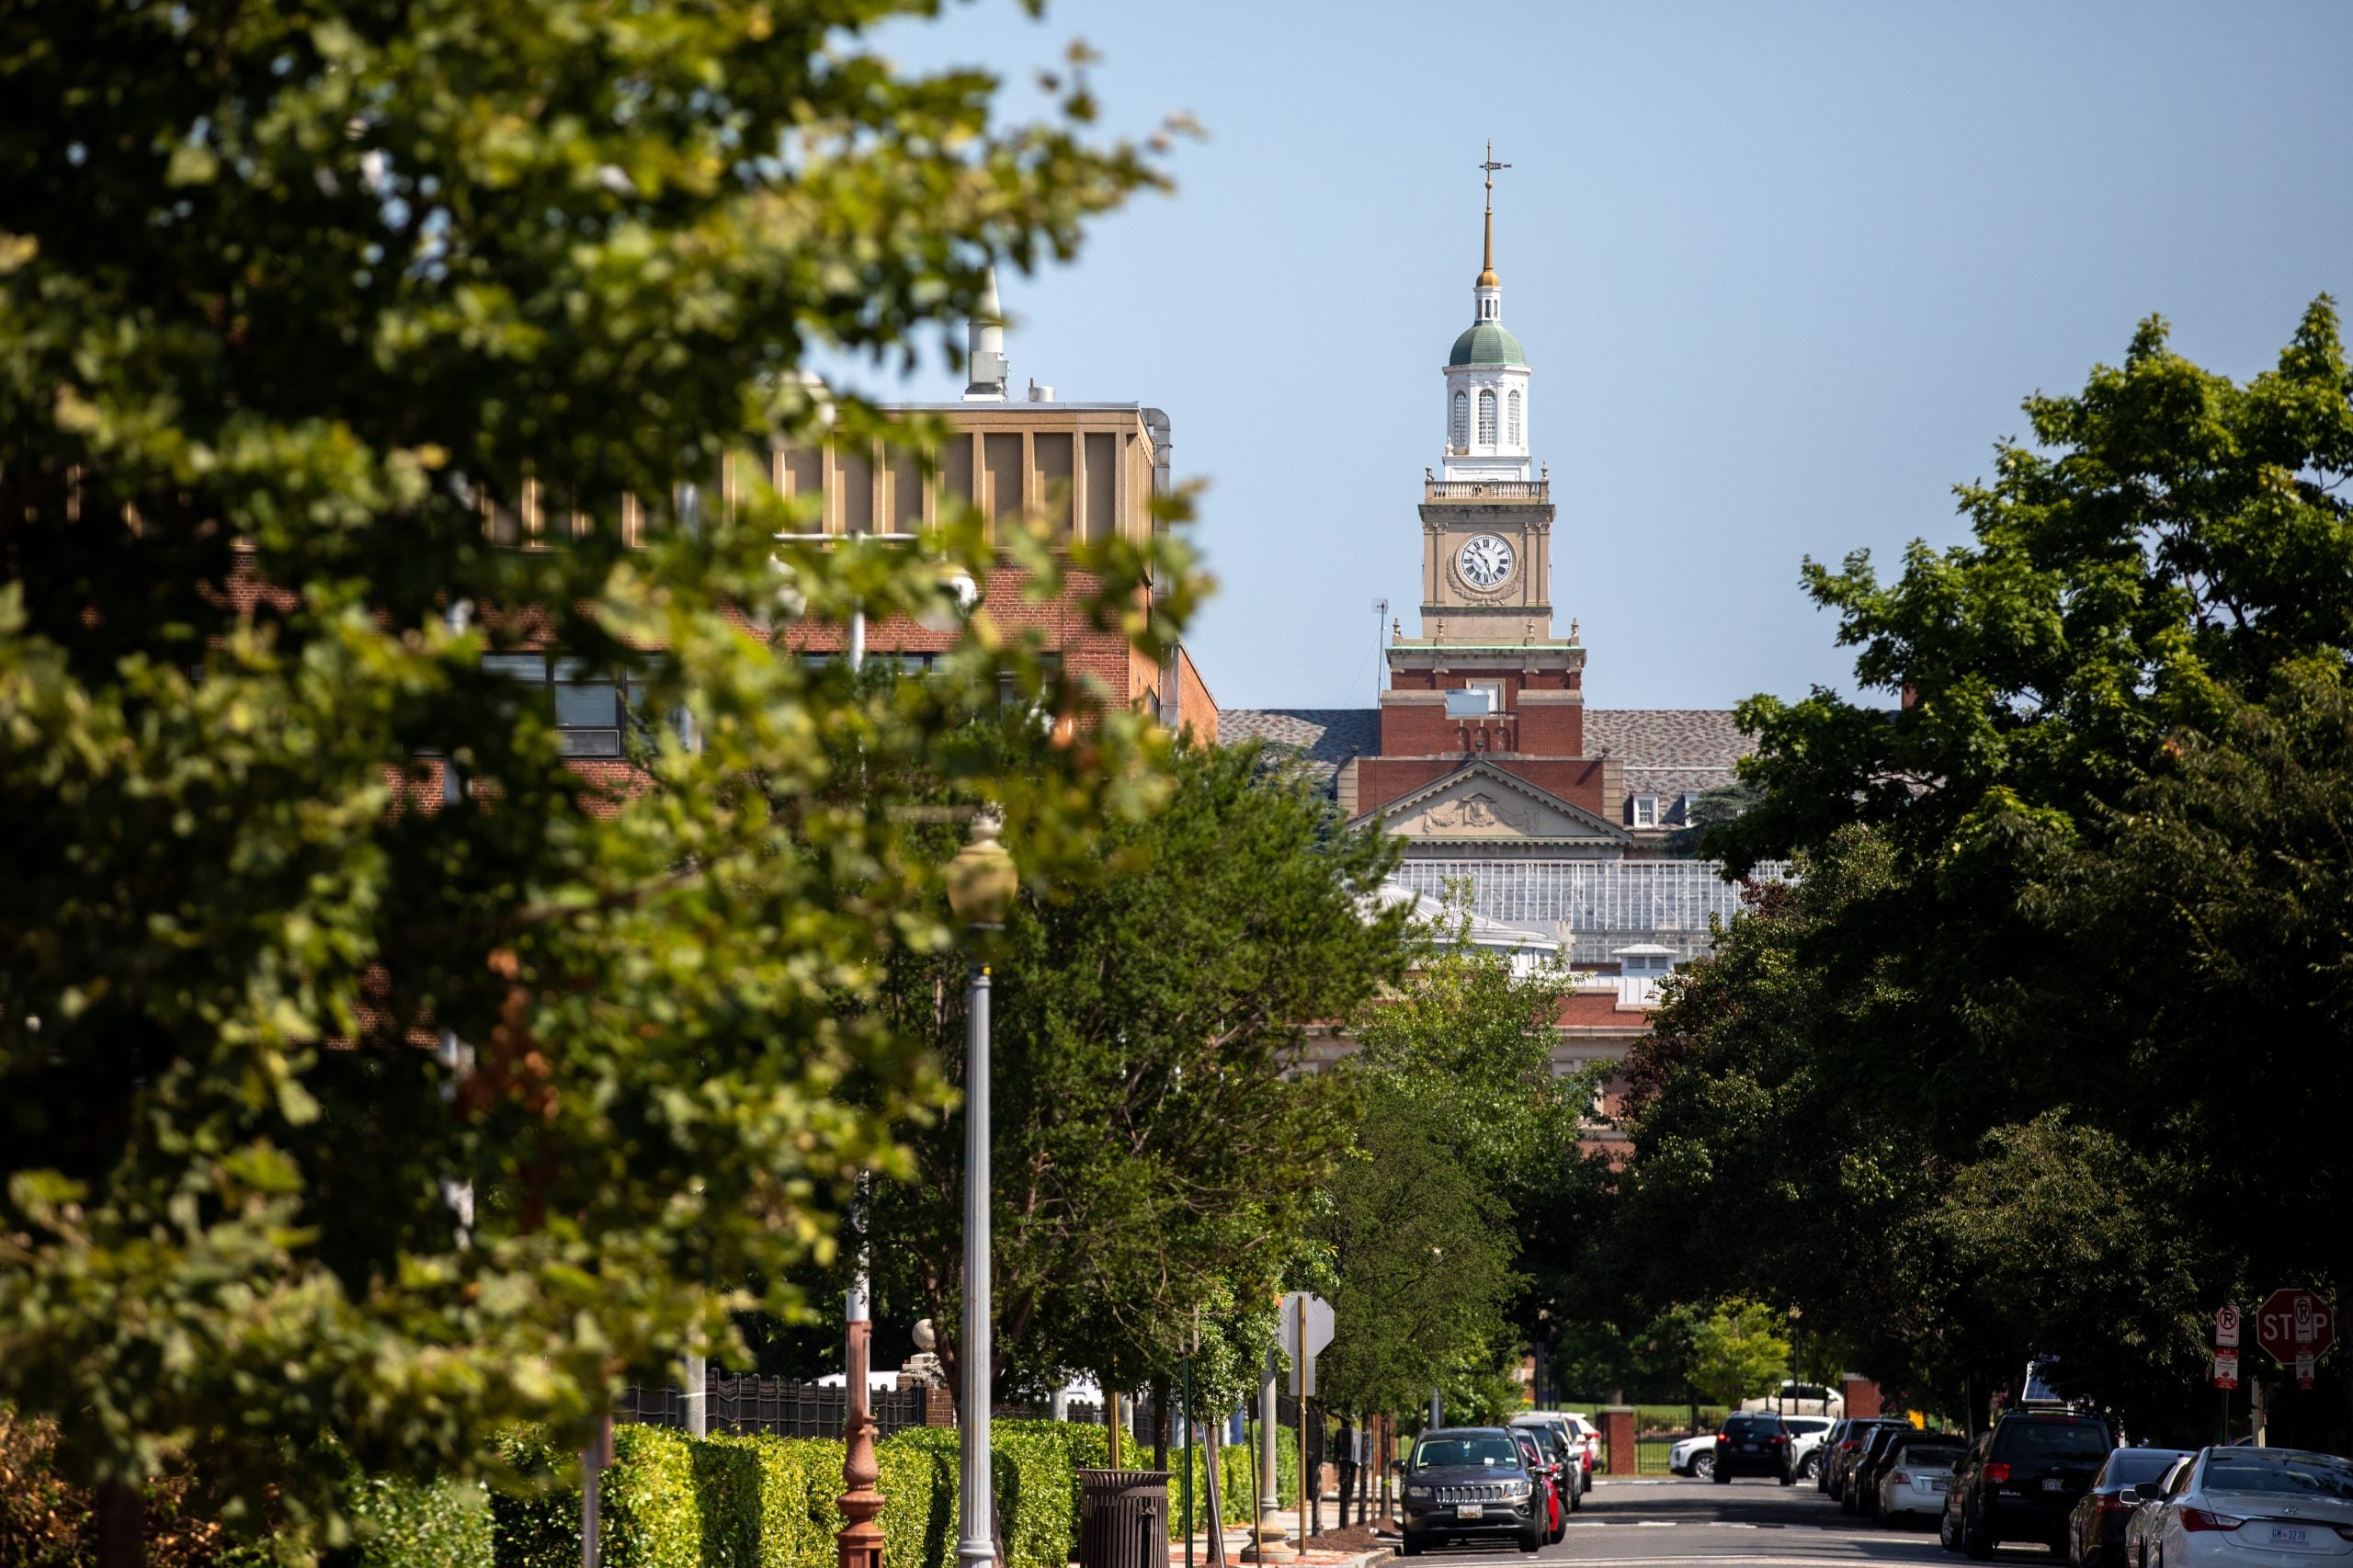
(1485, 561)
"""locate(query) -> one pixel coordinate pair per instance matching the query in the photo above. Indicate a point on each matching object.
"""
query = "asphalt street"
(1627, 1523)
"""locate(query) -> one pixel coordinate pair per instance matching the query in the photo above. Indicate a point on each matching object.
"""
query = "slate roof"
(1701, 738)
(1325, 738)
(1667, 751)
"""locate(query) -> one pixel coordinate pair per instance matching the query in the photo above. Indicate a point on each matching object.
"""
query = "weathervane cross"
(1491, 166)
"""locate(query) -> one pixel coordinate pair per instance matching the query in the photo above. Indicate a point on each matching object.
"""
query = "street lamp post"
(980, 884)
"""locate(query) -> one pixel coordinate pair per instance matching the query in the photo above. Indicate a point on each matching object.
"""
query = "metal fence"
(777, 1406)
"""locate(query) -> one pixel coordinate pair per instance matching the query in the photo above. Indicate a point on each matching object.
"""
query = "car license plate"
(2290, 1535)
(1936, 1483)
(2052, 1483)
(1469, 1510)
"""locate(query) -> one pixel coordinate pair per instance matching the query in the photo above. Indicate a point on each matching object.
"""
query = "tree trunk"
(1211, 1432)
(122, 1525)
(1160, 1418)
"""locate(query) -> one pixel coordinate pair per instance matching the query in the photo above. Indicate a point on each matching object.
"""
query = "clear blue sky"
(1784, 271)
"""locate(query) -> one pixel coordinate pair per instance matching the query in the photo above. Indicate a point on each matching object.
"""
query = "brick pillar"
(1618, 1438)
(1861, 1395)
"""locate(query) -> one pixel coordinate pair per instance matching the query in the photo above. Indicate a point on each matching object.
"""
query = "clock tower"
(1485, 674)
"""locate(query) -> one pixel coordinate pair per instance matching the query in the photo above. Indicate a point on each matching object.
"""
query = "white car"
(1800, 1399)
(1916, 1480)
(2258, 1509)
(1694, 1456)
(1806, 1433)
(1590, 1435)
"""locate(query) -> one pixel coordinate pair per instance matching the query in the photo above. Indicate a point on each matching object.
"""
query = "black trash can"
(1123, 1518)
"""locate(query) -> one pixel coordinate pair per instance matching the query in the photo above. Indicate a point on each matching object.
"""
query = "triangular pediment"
(1480, 802)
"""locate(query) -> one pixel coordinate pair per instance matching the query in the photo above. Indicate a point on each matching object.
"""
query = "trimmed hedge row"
(669, 1501)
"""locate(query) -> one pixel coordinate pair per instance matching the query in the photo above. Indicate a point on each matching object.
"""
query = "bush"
(405, 1523)
(44, 1523)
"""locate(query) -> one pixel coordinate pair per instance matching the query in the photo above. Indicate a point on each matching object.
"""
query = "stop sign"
(2294, 1323)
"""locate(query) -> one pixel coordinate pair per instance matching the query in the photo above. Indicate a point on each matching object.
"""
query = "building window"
(587, 706)
(1684, 805)
(1646, 810)
(1460, 437)
(1515, 419)
(1487, 417)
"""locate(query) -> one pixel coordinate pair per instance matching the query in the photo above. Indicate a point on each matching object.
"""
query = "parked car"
(1561, 1430)
(1752, 1443)
(1806, 1434)
(2149, 1509)
(1694, 1456)
(1589, 1436)
(1828, 1451)
(1470, 1484)
(2022, 1478)
(1851, 1448)
(1800, 1399)
(2237, 1507)
(2095, 1528)
(1862, 1484)
(1536, 1452)
(1916, 1474)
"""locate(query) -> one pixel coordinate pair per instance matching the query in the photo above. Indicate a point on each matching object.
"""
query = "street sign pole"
(1299, 1327)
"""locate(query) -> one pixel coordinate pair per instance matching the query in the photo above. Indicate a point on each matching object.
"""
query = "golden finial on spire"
(1487, 278)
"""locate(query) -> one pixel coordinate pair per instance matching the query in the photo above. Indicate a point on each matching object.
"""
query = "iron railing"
(777, 1405)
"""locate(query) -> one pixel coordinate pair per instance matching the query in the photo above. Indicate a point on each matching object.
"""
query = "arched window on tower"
(1514, 425)
(1487, 417)
(1459, 433)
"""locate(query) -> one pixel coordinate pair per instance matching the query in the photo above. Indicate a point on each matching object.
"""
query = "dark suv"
(1468, 1482)
(1754, 1443)
(2021, 1480)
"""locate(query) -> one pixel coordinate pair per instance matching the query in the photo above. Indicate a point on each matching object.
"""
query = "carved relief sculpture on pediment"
(1477, 813)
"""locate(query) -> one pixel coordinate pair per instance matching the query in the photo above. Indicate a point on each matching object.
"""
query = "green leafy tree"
(1739, 1352)
(1421, 1253)
(304, 310)
(1461, 1109)
(1154, 1151)
(1967, 1064)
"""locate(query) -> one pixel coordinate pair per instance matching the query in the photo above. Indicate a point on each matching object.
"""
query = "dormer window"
(1646, 810)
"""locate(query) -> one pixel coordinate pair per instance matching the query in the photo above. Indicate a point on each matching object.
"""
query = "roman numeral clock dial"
(1485, 561)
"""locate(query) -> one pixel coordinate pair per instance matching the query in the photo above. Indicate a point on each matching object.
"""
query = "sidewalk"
(1238, 1537)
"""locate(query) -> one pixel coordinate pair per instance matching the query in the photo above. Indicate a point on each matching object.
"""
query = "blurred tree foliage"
(302, 305)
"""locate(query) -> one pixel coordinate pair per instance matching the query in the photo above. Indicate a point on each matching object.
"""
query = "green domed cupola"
(1487, 343)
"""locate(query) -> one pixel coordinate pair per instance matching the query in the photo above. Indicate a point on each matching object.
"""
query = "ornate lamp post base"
(860, 1544)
